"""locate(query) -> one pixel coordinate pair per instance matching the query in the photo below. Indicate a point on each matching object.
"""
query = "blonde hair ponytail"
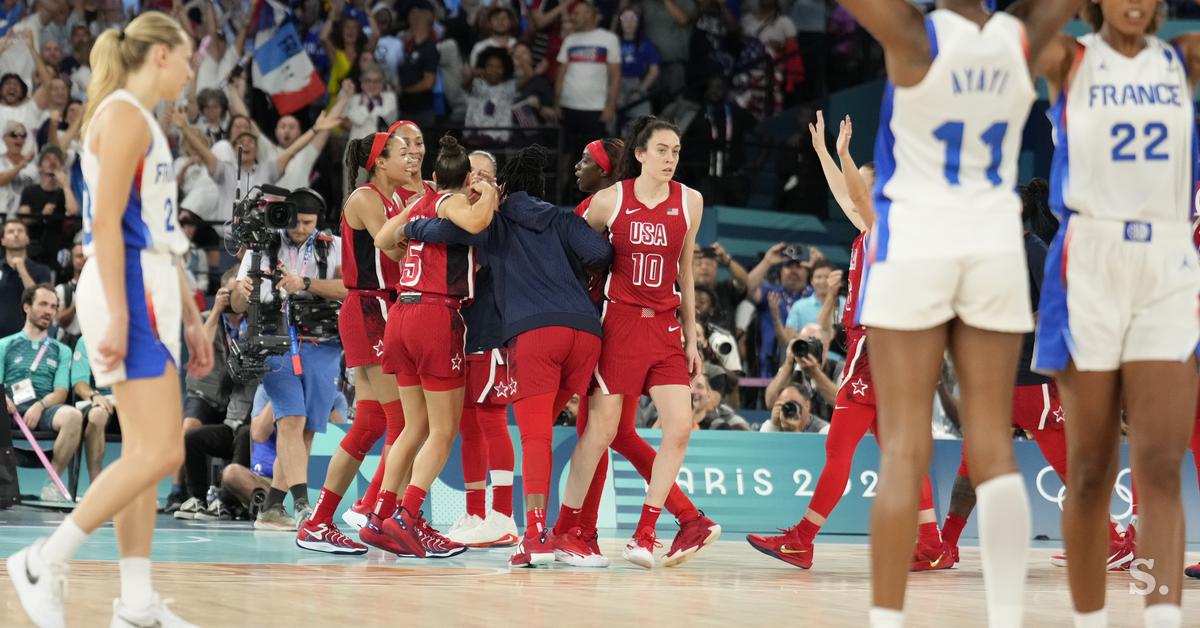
(116, 53)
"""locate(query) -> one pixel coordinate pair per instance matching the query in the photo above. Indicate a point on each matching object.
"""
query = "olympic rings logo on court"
(1124, 493)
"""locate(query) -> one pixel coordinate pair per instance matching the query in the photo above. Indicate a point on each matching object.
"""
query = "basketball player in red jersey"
(486, 444)
(415, 187)
(368, 273)
(652, 222)
(423, 346)
(854, 412)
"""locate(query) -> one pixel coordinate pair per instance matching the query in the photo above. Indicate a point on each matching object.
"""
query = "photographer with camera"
(717, 344)
(705, 265)
(774, 301)
(792, 412)
(805, 363)
(302, 385)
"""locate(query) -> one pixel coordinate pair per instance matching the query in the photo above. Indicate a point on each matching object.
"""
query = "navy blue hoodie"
(536, 253)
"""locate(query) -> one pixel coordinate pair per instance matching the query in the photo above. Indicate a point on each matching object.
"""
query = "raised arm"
(324, 124)
(198, 144)
(1044, 21)
(899, 27)
(472, 218)
(833, 174)
(862, 203)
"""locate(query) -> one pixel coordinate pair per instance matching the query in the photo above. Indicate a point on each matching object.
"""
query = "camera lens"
(790, 409)
(723, 348)
(280, 215)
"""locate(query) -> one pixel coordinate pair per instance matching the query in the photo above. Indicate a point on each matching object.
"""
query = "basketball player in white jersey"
(1118, 319)
(946, 267)
(132, 302)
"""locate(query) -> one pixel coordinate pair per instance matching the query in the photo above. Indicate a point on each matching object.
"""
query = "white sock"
(137, 594)
(63, 543)
(1004, 531)
(886, 618)
(1094, 619)
(1163, 616)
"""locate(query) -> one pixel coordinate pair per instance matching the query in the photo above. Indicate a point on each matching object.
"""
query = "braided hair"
(525, 172)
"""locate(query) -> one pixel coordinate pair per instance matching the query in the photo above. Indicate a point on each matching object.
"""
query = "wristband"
(307, 283)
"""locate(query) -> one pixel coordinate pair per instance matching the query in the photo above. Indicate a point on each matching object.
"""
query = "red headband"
(377, 146)
(596, 150)
(396, 126)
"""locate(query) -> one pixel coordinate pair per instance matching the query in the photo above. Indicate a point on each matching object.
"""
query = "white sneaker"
(354, 519)
(192, 507)
(157, 616)
(496, 531)
(640, 549)
(463, 525)
(40, 585)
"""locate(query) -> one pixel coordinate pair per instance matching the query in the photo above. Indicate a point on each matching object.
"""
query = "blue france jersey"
(150, 220)
(947, 148)
(1125, 135)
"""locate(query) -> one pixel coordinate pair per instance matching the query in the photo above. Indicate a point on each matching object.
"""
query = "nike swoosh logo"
(28, 574)
(935, 563)
(836, 408)
(632, 210)
(673, 328)
(785, 550)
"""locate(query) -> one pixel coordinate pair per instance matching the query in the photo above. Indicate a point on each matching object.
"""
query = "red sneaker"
(373, 534)
(1193, 571)
(402, 529)
(692, 536)
(929, 557)
(1120, 550)
(327, 538)
(788, 547)
(953, 549)
(533, 551)
(640, 549)
(433, 544)
(571, 548)
(356, 517)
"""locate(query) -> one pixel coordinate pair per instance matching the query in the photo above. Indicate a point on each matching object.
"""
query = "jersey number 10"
(951, 134)
(647, 269)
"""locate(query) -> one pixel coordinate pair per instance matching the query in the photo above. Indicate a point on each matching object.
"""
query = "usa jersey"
(149, 220)
(1125, 135)
(646, 245)
(435, 268)
(403, 196)
(365, 267)
(854, 284)
(947, 148)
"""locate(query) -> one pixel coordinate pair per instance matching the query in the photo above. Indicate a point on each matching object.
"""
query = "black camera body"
(257, 218)
(808, 347)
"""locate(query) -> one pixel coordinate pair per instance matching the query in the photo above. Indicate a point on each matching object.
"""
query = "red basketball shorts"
(856, 376)
(424, 342)
(489, 378)
(361, 325)
(551, 359)
(849, 411)
(641, 350)
(1037, 408)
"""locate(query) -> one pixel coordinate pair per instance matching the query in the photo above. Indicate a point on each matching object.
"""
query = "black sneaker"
(174, 501)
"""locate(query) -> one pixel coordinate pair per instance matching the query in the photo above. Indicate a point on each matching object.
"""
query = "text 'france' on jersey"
(647, 242)
(948, 147)
(1125, 135)
(149, 220)
(434, 268)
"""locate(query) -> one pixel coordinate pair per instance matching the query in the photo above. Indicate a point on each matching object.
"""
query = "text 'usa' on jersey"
(150, 218)
(947, 148)
(1125, 135)
(647, 242)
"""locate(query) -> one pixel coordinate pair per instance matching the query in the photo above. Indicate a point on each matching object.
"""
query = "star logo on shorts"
(456, 363)
(1058, 414)
(512, 386)
(501, 390)
(379, 348)
(860, 387)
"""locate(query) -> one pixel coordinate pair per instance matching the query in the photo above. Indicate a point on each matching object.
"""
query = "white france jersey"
(150, 220)
(1125, 135)
(947, 149)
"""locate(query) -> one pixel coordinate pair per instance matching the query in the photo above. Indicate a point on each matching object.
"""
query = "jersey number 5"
(951, 134)
(411, 268)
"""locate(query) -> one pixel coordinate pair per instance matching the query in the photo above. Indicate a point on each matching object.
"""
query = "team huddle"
(469, 293)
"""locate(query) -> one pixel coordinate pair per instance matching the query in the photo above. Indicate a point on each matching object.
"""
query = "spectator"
(218, 62)
(51, 195)
(810, 18)
(706, 262)
(805, 311)
(299, 171)
(589, 77)
(418, 73)
(806, 362)
(720, 416)
(717, 344)
(213, 122)
(248, 477)
(716, 138)
(768, 24)
(36, 371)
(791, 412)
(13, 173)
(639, 68)
(78, 66)
(774, 301)
(16, 105)
(710, 45)
(389, 51)
(97, 412)
(17, 274)
(502, 25)
(669, 25)
(491, 98)
(55, 19)
(569, 414)
(344, 42)
(62, 125)
(311, 269)
(372, 110)
(68, 325)
(310, 25)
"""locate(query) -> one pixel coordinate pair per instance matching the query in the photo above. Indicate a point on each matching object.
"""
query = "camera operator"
(309, 278)
(718, 344)
(805, 364)
(792, 412)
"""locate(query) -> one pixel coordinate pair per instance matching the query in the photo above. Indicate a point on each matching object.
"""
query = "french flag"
(265, 17)
(9, 19)
(283, 70)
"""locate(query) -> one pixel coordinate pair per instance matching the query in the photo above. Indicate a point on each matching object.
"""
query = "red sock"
(414, 498)
(928, 534)
(502, 499)
(327, 504)
(385, 507)
(372, 494)
(477, 502)
(567, 518)
(927, 498)
(474, 452)
(641, 455)
(807, 530)
(952, 529)
(535, 522)
(649, 517)
(536, 420)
